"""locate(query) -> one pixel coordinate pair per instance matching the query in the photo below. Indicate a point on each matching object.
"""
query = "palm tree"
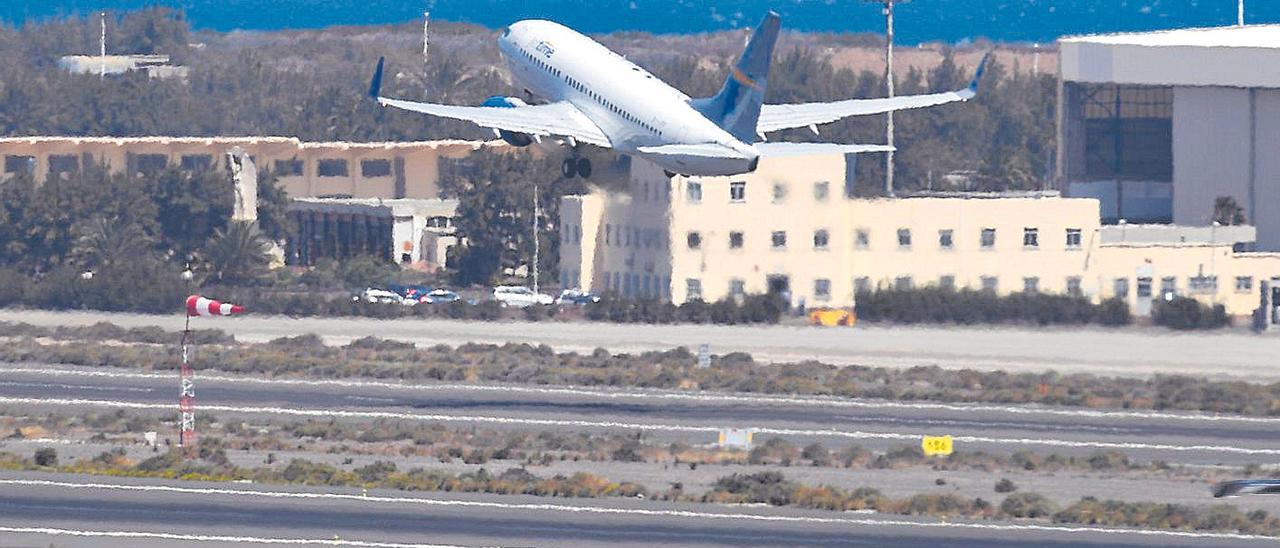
(105, 242)
(237, 254)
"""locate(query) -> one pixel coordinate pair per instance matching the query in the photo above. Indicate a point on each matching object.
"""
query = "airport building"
(792, 228)
(1159, 125)
(379, 199)
(305, 170)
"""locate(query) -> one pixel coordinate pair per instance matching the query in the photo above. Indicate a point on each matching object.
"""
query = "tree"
(237, 255)
(1227, 212)
(107, 242)
(273, 207)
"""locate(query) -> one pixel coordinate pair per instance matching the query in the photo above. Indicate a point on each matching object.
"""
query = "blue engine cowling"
(512, 138)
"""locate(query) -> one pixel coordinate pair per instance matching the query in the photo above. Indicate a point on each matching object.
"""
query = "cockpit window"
(506, 32)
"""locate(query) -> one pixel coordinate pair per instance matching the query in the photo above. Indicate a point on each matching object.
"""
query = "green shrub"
(1028, 505)
(968, 306)
(46, 456)
(1185, 313)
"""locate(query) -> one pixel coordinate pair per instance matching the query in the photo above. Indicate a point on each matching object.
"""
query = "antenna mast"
(426, 45)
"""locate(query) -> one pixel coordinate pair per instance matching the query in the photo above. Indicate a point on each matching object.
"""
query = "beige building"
(791, 228)
(347, 170)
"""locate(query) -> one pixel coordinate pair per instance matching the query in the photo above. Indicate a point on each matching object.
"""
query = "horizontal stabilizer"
(775, 150)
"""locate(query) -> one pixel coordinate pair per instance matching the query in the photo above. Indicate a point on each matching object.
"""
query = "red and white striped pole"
(196, 306)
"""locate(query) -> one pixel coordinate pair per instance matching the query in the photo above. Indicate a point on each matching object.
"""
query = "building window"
(380, 167)
(737, 288)
(862, 284)
(821, 238)
(149, 164)
(332, 167)
(735, 240)
(1073, 286)
(1144, 288)
(195, 162)
(693, 192)
(903, 283)
(821, 190)
(990, 283)
(693, 289)
(1203, 284)
(20, 164)
(904, 238)
(947, 282)
(695, 240)
(439, 221)
(862, 238)
(946, 239)
(1121, 288)
(779, 238)
(608, 235)
(988, 239)
(738, 191)
(1073, 238)
(1030, 237)
(1244, 284)
(1168, 287)
(1031, 284)
(779, 193)
(64, 163)
(289, 168)
(822, 289)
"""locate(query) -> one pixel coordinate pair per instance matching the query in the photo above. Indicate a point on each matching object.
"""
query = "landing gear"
(580, 167)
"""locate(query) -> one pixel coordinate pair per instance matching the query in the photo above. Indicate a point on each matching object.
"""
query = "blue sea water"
(917, 20)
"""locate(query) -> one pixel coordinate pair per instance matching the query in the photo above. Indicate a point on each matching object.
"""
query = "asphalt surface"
(1185, 438)
(1129, 351)
(66, 510)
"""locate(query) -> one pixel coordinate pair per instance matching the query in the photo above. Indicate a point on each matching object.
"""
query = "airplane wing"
(778, 117)
(776, 150)
(559, 119)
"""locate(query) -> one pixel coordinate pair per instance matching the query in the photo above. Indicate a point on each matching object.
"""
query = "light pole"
(888, 83)
(537, 245)
(1240, 13)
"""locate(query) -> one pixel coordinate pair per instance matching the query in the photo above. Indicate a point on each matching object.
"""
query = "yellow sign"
(936, 445)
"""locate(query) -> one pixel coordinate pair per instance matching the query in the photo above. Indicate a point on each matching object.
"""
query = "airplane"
(593, 96)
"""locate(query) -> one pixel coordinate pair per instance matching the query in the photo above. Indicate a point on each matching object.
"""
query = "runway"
(1186, 438)
(1129, 351)
(67, 510)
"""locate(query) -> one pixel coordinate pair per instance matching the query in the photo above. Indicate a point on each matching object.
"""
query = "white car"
(520, 296)
(375, 295)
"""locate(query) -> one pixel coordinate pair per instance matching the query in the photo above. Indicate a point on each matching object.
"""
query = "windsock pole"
(195, 306)
(187, 397)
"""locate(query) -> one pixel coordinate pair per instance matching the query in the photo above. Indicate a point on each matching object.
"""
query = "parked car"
(414, 293)
(440, 295)
(576, 297)
(376, 295)
(520, 296)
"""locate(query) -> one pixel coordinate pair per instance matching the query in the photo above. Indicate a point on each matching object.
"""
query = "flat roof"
(1249, 36)
(1220, 57)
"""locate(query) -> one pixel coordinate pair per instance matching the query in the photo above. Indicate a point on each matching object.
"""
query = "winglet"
(375, 87)
(977, 75)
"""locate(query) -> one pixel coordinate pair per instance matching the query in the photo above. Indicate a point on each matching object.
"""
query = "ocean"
(953, 21)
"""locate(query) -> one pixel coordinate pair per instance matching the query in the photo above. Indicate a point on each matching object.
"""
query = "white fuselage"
(632, 107)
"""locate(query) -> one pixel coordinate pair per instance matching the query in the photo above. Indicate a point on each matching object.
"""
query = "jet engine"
(512, 138)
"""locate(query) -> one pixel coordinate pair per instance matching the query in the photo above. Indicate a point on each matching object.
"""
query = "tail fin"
(736, 108)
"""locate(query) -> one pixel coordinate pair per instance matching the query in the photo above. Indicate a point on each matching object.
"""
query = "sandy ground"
(1139, 352)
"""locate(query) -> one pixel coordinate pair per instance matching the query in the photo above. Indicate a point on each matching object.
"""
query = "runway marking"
(627, 511)
(849, 434)
(214, 538)
(704, 397)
